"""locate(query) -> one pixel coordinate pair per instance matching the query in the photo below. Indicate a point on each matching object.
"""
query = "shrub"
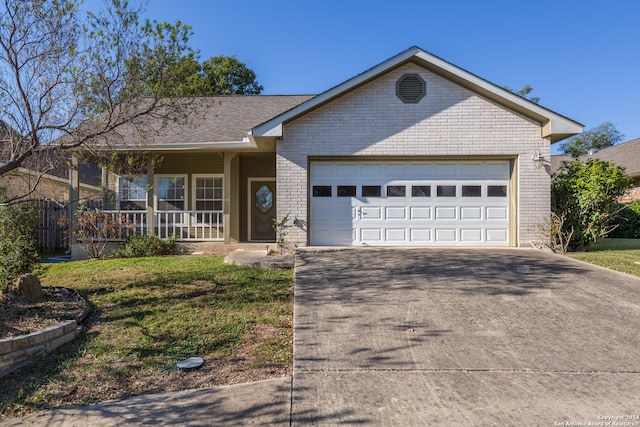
(94, 229)
(18, 249)
(144, 245)
(584, 194)
(627, 223)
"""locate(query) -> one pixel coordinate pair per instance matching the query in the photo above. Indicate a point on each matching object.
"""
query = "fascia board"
(186, 146)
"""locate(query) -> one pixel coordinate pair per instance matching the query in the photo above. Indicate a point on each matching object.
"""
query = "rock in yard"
(27, 287)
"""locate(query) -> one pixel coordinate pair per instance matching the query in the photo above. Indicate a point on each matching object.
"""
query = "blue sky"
(581, 57)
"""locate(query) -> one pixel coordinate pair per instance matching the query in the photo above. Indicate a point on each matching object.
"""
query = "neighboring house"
(53, 185)
(626, 155)
(50, 186)
(414, 151)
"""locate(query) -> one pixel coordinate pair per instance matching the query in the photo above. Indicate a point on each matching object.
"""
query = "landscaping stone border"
(16, 351)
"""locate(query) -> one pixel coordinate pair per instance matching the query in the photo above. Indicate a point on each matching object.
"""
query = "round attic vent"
(410, 88)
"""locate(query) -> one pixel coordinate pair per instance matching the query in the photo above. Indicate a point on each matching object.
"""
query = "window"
(396, 191)
(421, 191)
(497, 191)
(346, 191)
(171, 193)
(371, 191)
(132, 193)
(321, 191)
(446, 191)
(208, 193)
(471, 191)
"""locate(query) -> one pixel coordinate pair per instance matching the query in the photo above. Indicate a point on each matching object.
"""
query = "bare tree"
(70, 80)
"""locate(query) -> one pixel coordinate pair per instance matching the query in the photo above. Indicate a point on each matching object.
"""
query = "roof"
(553, 125)
(213, 122)
(626, 154)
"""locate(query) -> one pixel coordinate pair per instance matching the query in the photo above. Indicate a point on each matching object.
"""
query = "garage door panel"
(395, 212)
(396, 235)
(497, 235)
(420, 212)
(420, 235)
(472, 170)
(497, 212)
(471, 212)
(370, 213)
(395, 170)
(471, 235)
(371, 234)
(330, 236)
(370, 171)
(446, 212)
(344, 169)
(420, 171)
(500, 170)
(322, 171)
(446, 171)
(442, 203)
(446, 235)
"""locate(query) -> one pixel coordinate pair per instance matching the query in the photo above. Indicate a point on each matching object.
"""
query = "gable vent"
(410, 88)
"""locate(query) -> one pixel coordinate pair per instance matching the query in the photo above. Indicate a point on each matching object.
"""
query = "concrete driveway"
(419, 337)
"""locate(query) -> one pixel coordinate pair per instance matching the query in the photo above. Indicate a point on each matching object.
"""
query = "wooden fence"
(50, 235)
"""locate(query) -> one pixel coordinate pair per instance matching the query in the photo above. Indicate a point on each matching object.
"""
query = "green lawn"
(616, 254)
(150, 313)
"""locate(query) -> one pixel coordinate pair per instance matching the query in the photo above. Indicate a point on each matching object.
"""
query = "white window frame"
(156, 198)
(194, 188)
(120, 199)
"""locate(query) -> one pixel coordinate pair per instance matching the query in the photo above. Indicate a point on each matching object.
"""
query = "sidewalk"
(260, 403)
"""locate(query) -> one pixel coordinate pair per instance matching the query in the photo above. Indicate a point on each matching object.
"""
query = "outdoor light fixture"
(538, 159)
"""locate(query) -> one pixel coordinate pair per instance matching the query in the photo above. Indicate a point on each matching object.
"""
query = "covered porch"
(194, 196)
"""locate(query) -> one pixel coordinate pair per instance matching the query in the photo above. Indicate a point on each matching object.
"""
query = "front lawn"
(616, 254)
(149, 313)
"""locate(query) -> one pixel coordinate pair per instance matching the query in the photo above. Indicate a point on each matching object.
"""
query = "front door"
(262, 209)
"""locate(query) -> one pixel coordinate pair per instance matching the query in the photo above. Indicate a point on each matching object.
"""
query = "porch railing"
(189, 225)
(183, 225)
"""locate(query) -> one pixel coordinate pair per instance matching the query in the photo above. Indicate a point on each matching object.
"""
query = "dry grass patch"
(148, 314)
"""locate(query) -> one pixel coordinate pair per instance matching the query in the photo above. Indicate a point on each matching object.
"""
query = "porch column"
(74, 194)
(150, 187)
(104, 185)
(226, 195)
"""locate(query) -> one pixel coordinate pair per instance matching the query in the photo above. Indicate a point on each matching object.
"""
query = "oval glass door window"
(264, 199)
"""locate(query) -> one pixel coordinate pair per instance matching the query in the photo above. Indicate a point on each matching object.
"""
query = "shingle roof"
(228, 118)
(626, 154)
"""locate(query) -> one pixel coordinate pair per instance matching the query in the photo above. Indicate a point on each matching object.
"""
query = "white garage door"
(393, 203)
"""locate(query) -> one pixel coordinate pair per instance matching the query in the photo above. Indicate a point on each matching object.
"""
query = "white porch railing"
(189, 225)
(183, 225)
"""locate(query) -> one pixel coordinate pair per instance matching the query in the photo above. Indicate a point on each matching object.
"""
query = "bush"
(627, 224)
(584, 195)
(144, 245)
(18, 249)
(94, 229)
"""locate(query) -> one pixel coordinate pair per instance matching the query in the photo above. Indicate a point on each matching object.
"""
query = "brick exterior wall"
(448, 121)
(51, 187)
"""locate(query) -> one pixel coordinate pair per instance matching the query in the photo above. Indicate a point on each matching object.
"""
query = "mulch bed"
(18, 317)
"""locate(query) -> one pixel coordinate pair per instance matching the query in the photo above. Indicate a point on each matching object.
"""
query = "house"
(52, 185)
(626, 154)
(414, 151)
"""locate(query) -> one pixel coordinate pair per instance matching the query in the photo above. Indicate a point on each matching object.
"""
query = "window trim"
(120, 199)
(194, 189)
(156, 198)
